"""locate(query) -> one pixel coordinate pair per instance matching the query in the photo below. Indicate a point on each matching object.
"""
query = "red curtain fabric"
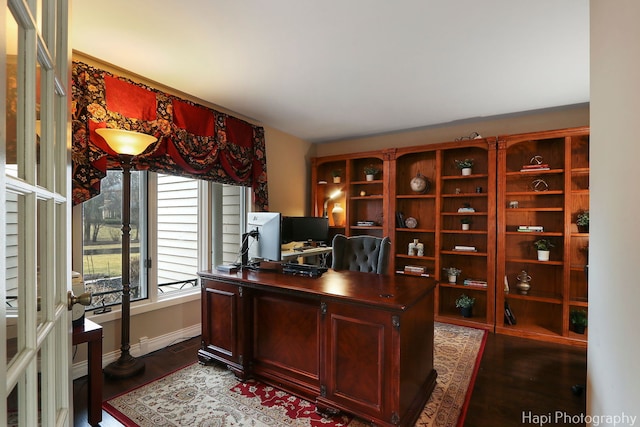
(193, 140)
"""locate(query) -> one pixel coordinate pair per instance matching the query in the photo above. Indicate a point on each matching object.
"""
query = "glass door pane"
(11, 102)
(39, 125)
(45, 274)
(15, 334)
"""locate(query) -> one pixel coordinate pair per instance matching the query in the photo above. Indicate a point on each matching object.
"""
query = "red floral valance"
(193, 140)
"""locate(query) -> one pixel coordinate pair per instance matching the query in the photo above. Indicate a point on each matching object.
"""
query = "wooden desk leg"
(94, 354)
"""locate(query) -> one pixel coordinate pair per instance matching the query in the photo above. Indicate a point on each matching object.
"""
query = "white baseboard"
(149, 345)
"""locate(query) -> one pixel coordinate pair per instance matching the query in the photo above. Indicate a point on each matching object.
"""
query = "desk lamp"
(326, 202)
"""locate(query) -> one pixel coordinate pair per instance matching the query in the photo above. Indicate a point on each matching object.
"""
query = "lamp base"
(126, 366)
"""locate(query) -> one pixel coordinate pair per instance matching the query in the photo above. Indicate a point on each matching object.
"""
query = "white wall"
(614, 291)
(532, 121)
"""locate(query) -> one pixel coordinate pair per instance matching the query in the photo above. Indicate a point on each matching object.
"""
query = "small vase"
(370, 177)
(543, 255)
(523, 284)
(336, 180)
(337, 213)
(578, 329)
(465, 226)
(523, 287)
(466, 311)
(583, 229)
(466, 171)
(453, 278)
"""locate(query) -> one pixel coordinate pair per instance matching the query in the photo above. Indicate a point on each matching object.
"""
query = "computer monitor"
(304, 228)
(263, 236)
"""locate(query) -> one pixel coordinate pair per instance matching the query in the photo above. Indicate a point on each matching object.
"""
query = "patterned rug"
(208, 396)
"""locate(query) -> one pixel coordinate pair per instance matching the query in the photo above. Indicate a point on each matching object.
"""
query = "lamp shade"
(126, 141)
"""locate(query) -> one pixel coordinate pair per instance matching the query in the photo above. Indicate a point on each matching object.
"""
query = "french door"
(35, 214)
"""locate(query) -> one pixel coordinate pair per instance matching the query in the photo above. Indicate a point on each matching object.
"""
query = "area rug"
(207, 396)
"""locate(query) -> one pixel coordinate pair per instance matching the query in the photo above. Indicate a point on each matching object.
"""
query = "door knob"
(82, 299)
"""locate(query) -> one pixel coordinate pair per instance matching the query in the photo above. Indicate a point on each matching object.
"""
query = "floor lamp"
(127, 144)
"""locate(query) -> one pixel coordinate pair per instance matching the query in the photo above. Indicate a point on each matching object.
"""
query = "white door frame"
(35, 217)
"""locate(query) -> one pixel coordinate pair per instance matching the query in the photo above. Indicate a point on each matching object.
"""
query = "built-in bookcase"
(543, 184)
(536, 180)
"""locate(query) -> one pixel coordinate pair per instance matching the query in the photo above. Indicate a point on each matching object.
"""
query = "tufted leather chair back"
(361, 253)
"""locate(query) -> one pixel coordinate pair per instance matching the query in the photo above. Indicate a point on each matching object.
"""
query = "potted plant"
(371, 171)
(543, 246)
(465, 304)
(583, 222)
(465, 166)
(452, 274)
(578, 319)
(337, 175)
(466, 222)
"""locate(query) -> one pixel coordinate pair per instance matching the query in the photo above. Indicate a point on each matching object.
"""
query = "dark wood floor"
(517, 376)
(521, 376)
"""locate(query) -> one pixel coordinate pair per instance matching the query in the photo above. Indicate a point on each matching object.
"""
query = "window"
(191, 226)
(177, 233)
(102, 240)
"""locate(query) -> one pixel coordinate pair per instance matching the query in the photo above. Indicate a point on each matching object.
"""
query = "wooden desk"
(356, 342)
(91, 333)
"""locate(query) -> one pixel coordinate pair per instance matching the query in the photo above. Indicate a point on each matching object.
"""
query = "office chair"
(361, 253)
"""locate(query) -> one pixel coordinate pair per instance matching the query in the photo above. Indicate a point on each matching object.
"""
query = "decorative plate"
(411, 222)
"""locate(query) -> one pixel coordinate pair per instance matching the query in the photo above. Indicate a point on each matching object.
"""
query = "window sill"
(145, 306)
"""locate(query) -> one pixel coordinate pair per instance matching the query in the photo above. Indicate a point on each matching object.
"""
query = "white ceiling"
(334, 69)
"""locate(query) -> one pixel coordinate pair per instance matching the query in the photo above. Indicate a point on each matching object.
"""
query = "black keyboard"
(303, 269)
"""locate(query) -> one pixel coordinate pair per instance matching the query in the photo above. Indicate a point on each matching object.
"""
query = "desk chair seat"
(361, 253)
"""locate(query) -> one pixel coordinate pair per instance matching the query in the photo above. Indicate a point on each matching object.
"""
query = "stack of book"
(530, 228)
(418, 270)
(474, 282)
(464, 248)
(535, 168)
(365, 223)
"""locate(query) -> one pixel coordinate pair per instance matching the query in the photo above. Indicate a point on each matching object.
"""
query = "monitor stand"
(244, 250)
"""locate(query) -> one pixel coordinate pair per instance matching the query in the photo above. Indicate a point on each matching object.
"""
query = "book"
(530, 228)
(464, 248)
(509, 317)
(415, 268)
(540, 166)
(534, 169)
(412, 273)
(474, 282)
